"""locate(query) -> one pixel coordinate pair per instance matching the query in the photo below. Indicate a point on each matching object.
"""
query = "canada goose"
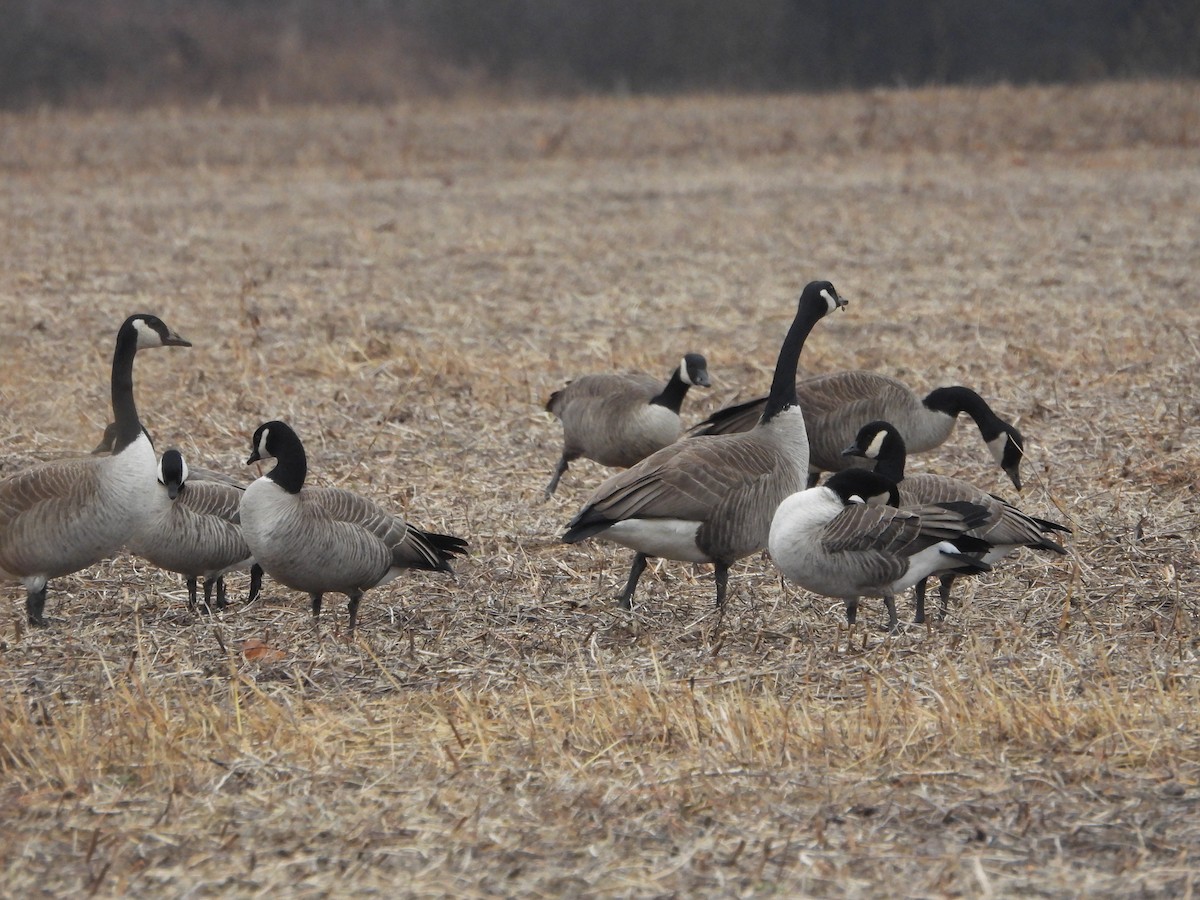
(1006, 528)
(836, 405)
(829, 541)
(711, 499)
(61, 516)
(328, 539)
(193, 528)
(619, 420)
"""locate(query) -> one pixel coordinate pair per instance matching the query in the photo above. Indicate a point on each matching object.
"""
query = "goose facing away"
(193, 528)
(1005, 528)
(710, 500)
(828, 540)
(59, 517)
(319, 540)
(837, 404)
(619, 420)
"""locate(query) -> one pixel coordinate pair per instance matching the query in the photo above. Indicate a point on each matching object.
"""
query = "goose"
(193, 475)
(61, 516)
(828, 540)
(1006, 528)
(710, 500)
(319, 540)
(619, 420)
(193, 528)
(837, 404)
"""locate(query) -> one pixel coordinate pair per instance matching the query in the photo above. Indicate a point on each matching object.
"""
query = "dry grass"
(407, 289)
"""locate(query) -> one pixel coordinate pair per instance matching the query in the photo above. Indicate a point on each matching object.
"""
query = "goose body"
(838, 404)
(62, 516)
(193, 527)
(828, 540)
(1005, 528)
(618, 420)
(321, 540)
(711, 500)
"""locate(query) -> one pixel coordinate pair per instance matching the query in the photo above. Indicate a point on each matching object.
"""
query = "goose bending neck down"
(1005, 528)
(62, 516)
(319, 540)
(828, 540)
(710, 500)
(837, 404)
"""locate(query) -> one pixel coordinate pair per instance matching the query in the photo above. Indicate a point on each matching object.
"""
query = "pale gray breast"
(196, 534)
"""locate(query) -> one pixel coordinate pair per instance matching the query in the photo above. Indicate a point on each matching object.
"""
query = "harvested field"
(406, 287)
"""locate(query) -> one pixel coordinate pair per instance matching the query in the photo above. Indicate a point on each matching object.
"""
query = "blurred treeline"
(138, 52)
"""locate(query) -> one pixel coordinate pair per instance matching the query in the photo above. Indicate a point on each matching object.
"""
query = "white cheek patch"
(684, 375)
(997, 445)
(183, 476)
(876, 446)
(829, 299)
(143, 333)
(262, 444)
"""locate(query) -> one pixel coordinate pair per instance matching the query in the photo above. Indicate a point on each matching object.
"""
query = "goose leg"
(889, 600)
(721, 577)
(35, 605)
(222, 599)
(256, 577)
(851, 610)
(208, 590)
(558, 473)
(944, 591)
(352, 606)
(316, 606)
(625, 601)
(919, 597)
(191, 586)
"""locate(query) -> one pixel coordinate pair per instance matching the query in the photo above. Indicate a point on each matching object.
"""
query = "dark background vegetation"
(131, 53)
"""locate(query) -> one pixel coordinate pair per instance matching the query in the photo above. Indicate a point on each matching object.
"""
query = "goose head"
(172, 472)
(693, 370)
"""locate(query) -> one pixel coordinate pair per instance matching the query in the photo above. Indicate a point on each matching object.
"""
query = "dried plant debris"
(510, 732)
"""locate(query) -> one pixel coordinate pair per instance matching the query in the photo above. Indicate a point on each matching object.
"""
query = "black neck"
(672, 395)
(291, 463)
(125, 414)
(783, 385)
(955, 400)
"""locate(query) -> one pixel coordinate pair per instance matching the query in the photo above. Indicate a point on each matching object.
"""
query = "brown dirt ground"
(406, 287)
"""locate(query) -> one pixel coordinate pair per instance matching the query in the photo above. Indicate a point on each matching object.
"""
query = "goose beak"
(702, 380)
(254, 457)
(1014, 473)
(853, 450)
(174, 340)
(172, 490)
